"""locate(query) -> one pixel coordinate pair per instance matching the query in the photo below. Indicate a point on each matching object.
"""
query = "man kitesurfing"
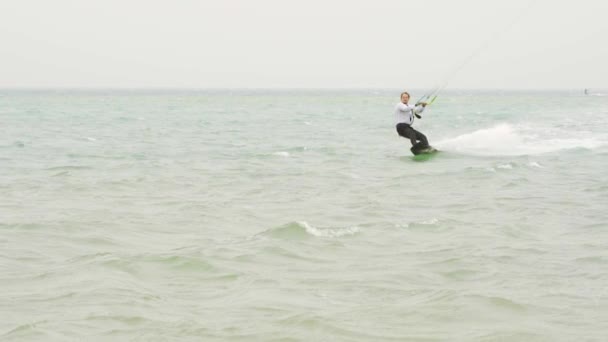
(404, 112)
(404, 115)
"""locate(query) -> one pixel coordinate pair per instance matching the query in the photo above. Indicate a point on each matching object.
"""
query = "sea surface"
(301, 215)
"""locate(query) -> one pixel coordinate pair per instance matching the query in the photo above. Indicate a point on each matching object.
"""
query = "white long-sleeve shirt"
(405, 112)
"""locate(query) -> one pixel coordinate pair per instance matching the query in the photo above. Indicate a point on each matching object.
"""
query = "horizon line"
(283, 88)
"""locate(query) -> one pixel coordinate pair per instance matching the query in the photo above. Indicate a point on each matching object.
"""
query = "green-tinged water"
(301, 216)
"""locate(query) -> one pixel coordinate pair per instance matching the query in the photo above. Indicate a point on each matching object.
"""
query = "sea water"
(301, 215)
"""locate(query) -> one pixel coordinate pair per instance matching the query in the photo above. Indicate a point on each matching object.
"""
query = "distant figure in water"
(404, 114)
(586, 91)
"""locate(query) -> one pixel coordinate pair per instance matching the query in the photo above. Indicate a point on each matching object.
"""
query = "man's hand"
(423, 104)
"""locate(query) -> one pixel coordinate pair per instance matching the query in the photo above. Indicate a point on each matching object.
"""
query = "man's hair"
(405, 92)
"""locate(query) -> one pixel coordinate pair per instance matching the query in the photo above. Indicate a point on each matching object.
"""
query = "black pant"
(407, 131)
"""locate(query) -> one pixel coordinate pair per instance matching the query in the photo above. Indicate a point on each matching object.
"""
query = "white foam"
(281, 154)
(430, 222)
(504, 139)
(328, 232)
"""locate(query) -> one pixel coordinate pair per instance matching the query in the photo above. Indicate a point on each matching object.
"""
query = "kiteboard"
(424, 151)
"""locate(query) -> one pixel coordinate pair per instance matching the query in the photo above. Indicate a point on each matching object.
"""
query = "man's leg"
(424, 143)
(411, 134)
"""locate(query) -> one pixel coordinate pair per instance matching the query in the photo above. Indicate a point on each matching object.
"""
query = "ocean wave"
(68, 168)
(431, 222)
(301, 229)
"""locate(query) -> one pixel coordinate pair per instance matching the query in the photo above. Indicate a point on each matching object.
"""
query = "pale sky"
(303, 44)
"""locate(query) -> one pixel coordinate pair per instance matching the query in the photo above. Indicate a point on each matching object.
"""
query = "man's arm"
(419, 109)
(403, 107)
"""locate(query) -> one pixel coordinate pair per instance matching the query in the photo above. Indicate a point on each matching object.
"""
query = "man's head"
(405, 97)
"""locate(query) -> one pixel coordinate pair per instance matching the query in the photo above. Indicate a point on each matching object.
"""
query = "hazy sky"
(313, 43)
